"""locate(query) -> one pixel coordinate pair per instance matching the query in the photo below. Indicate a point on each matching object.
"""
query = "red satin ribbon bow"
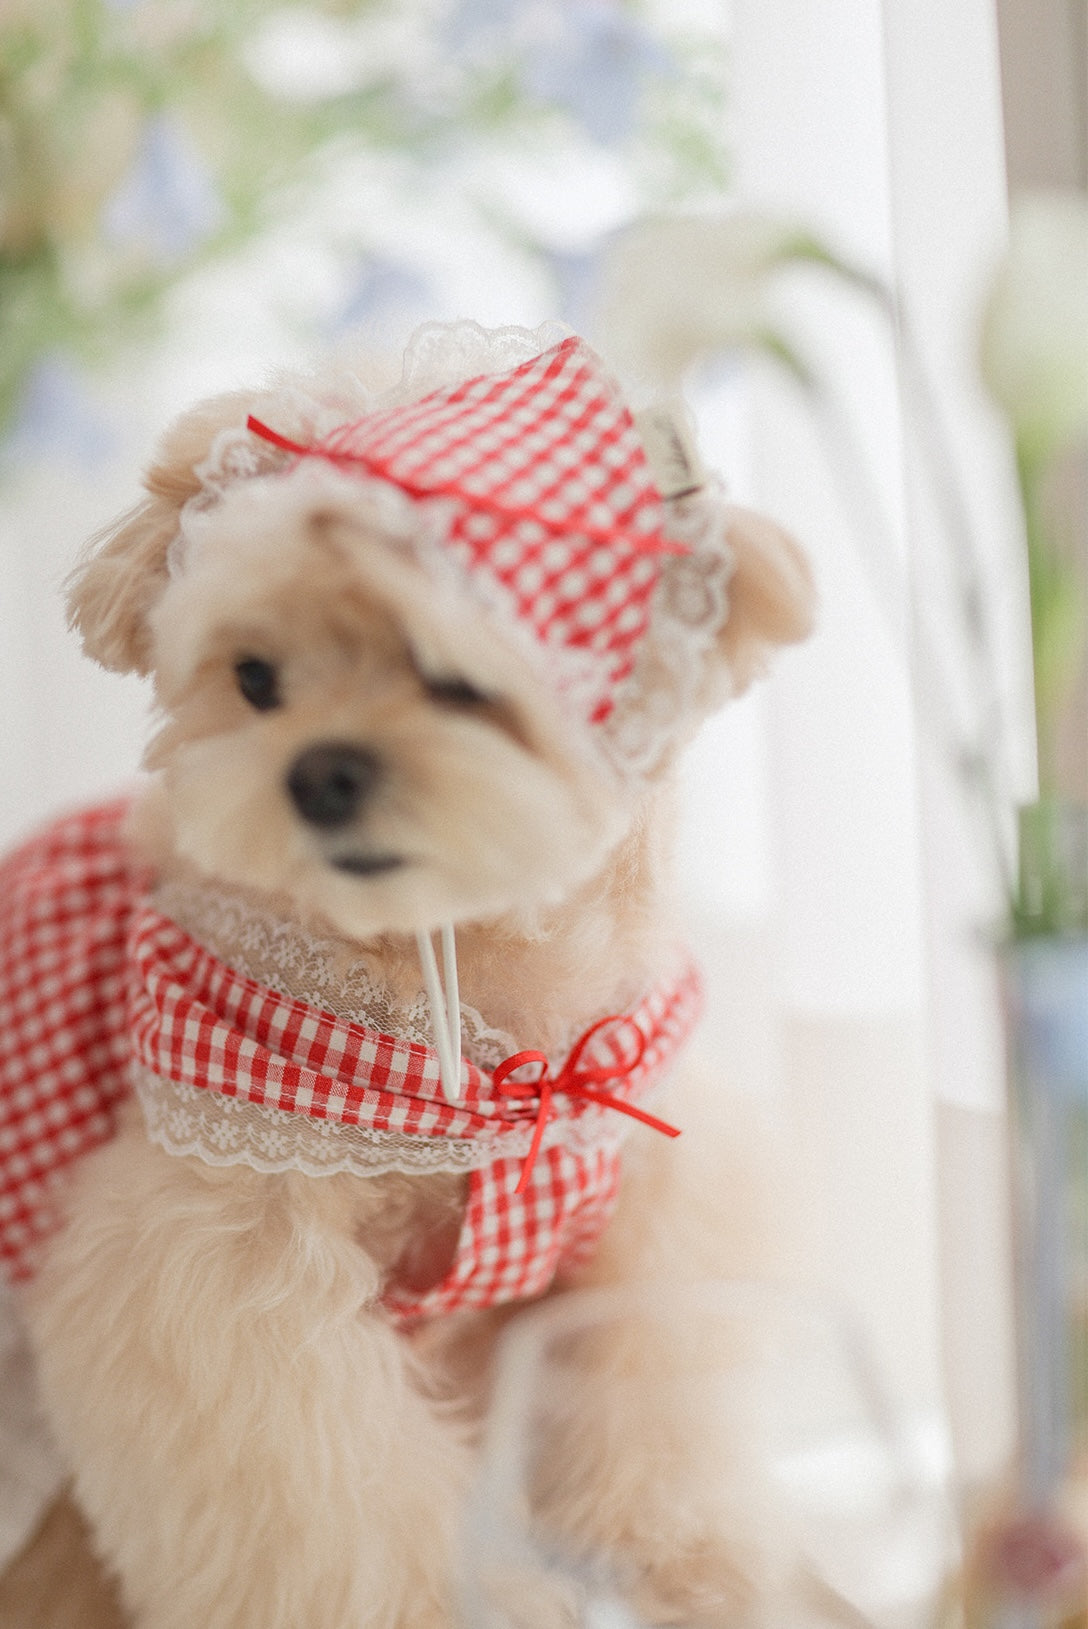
(575, 1079)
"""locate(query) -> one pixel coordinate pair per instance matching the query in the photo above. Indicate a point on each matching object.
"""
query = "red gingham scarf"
(550, 499)
(77, 932)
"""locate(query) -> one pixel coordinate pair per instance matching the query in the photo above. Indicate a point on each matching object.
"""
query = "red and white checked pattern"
(513, 1244)
(66, 900)
(551, 497)
(77, 934)
(198, 1022)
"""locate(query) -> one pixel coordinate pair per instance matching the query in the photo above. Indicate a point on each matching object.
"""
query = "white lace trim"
(687, 612)
(327, 973)
(185, 1120)
(690, 604)
(446, 353)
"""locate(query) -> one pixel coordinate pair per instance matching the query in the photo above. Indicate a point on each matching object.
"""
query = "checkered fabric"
(550, 497)
(66, 901)
(198, 1022)
(513, 1244)
(78, 929)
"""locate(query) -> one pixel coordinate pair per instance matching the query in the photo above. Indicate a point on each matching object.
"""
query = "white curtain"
(881, 125)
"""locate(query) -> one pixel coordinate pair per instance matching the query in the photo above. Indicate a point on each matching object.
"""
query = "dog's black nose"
(330, 783)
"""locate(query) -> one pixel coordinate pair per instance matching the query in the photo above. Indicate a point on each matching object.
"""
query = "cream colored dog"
(355, 749)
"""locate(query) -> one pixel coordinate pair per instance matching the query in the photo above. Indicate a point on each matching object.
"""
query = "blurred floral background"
(142, 139)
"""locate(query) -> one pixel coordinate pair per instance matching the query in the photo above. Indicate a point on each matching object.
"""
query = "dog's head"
(348, 720)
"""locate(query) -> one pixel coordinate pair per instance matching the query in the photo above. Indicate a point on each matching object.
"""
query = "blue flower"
(474, 21)
(56, 417)
(167, 203)
(592, 59)
(383, 289)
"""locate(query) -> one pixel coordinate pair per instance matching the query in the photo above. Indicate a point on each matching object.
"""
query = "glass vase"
(1031, 1564)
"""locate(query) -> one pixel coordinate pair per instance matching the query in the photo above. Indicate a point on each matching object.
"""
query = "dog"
(423, 661)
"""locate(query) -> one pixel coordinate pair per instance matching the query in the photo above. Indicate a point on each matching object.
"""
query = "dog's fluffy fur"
(253, 1444)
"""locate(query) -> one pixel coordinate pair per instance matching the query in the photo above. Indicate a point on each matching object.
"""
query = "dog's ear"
(123, 571)
(771, 596)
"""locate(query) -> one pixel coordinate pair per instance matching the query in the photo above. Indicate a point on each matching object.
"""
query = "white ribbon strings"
(445, 1006)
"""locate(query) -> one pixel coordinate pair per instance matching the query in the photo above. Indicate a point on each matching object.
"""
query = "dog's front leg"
(657, 1458)
(247, 1440)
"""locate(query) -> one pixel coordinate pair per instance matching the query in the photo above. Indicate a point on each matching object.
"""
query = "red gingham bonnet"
(536, 484)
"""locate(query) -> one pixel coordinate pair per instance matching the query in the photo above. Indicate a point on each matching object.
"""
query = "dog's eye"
(462, 696)
(259, 682)
(455, 692)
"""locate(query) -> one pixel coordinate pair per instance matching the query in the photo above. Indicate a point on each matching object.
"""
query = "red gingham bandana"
(550, 499)
(76, 928)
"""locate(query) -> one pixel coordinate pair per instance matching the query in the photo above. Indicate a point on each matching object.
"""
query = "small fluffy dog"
(424, 660)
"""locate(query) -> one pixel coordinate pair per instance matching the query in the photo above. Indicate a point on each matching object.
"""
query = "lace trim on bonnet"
(690, 602)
